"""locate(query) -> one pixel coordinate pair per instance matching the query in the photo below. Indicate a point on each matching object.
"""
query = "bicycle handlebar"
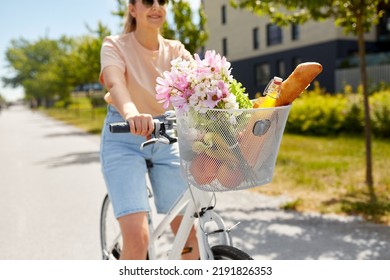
(159, 132)
(119, 127)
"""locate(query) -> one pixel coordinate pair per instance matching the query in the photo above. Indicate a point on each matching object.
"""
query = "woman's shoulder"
(117, 39)
(119, 43)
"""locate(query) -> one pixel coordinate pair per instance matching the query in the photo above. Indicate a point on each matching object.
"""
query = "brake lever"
(160, 136)
(149, 142)
(168, 139)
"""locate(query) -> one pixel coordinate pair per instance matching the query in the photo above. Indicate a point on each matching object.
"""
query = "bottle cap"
(278, 80)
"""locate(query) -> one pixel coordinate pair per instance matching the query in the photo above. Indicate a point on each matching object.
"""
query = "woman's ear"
(132, 10)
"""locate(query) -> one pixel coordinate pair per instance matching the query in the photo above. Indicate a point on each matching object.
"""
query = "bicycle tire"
(109, 232)
(226, 252)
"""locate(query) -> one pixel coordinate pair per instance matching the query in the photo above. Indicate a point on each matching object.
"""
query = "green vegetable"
(242, 98)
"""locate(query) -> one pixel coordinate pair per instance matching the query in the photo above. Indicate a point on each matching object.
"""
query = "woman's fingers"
(141, 124)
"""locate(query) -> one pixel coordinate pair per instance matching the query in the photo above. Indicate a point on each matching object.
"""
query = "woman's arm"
(114, 80)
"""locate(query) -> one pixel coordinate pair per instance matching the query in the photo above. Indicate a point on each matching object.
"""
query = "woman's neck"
(148, 40)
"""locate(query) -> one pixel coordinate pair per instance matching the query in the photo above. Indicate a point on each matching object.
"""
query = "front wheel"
(226, 252)
(110, 234)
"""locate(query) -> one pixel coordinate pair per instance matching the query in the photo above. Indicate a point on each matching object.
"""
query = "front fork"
(208, 223)
(208, 216)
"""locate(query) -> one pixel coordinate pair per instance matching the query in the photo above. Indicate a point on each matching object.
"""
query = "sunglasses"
(149, 3)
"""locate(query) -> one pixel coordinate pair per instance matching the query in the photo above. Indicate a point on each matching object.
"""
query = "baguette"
(297, 82)
(255, 148)
(251, 146)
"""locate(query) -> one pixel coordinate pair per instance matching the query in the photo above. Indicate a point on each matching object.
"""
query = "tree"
(85, 55)
(85, 59)
(49, 70)
(354, 16)
(40, 68)
(193, 35)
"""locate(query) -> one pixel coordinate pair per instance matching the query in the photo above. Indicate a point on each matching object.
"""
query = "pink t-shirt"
(141, 66)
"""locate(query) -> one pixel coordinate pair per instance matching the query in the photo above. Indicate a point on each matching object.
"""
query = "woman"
(130, 64)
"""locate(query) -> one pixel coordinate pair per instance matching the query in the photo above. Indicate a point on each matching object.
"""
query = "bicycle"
(197, 202)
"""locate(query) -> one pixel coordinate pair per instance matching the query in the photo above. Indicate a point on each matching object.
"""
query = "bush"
(380, 115)
(318, 113)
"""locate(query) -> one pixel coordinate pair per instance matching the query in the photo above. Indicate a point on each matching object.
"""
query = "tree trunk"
(367, 119)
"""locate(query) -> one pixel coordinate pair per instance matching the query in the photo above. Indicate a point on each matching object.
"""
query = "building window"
(262, 74)
(295, 31)
(255, 36)
(281, 68)
(274, 34)
(383, 28)
(223, 14)
(224, 47)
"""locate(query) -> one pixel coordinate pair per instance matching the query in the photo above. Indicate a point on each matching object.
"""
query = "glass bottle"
(271, 93)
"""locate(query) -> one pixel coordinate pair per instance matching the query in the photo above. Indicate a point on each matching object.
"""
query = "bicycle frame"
(197, 211)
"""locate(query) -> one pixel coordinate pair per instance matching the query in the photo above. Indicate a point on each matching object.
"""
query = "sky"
(35, 19)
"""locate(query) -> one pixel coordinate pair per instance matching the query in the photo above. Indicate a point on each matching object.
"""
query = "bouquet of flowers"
(201, 84)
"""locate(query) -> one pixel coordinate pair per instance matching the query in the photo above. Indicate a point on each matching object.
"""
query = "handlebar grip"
(119, 127)
(159, 132)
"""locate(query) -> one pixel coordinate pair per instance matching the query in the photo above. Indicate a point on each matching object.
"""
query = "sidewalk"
(266, 232)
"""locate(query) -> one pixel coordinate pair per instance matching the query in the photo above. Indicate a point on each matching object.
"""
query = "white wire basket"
(225, 150)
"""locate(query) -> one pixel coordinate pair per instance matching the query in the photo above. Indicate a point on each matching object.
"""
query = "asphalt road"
(51, 191)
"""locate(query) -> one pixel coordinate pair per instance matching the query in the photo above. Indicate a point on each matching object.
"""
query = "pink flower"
(164, 88)
(181, 83)
(224, 90)
(201, 84)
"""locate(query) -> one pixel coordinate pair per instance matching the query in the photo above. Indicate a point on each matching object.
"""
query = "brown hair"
(130, 22)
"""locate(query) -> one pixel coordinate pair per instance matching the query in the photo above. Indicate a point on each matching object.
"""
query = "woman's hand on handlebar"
(141, 124)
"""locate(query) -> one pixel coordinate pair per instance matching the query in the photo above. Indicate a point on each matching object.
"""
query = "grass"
(327, 175)
(88, 120)
(319, 174)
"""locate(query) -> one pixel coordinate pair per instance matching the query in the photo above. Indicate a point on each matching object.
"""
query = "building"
(259, 50)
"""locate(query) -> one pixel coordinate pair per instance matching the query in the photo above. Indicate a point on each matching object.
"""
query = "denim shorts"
(124, 170)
